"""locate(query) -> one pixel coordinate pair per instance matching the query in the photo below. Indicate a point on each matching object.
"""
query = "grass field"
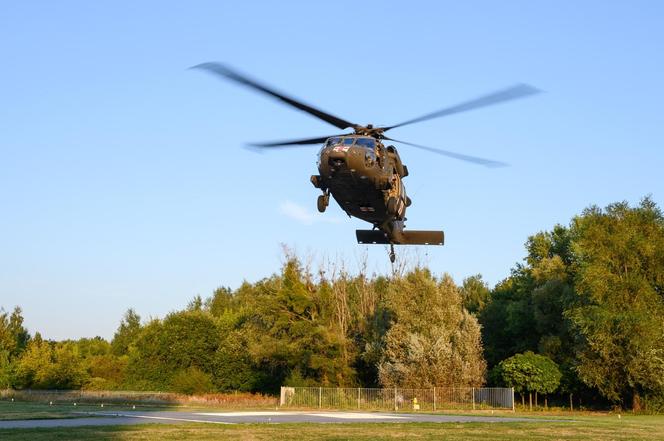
(585, 426)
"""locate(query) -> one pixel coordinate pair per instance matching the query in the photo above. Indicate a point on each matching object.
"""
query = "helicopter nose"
(337, 154)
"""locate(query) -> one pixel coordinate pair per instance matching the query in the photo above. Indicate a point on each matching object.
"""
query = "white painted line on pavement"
(152, 417)
(241, 414)
(358, 416)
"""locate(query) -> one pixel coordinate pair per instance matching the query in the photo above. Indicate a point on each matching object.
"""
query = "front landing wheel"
(321, 203)
(393, 256)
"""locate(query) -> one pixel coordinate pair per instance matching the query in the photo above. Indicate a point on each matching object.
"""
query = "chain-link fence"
(437, 398)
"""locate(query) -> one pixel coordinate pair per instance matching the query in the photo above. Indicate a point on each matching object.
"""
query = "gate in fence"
(437, 398)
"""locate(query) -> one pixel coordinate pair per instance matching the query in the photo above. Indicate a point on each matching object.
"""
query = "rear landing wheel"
(322, 203)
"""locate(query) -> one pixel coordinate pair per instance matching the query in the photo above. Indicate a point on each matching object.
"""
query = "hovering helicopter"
(362, 173)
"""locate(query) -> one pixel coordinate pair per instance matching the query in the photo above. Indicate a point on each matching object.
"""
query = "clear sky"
(123, 181)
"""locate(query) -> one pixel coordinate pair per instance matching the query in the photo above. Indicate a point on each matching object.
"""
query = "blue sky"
(123, 181)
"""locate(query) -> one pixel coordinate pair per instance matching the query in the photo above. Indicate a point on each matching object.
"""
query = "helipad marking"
(152, 417)
(358, 416)
(242, 414)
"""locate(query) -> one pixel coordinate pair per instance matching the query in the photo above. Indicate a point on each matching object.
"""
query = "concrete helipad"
(264, 417)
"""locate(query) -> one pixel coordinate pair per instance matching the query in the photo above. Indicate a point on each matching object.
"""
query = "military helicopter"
(362, 173)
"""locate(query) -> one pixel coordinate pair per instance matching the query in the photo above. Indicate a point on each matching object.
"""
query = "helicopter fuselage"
(365, 178)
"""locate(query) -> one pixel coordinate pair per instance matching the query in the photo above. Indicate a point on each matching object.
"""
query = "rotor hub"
(369, 130)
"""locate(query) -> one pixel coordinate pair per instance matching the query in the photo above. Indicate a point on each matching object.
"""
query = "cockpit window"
(366, 142)
(348, 141)
(333, 141)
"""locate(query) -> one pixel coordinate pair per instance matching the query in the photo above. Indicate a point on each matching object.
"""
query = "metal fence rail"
(437, 398)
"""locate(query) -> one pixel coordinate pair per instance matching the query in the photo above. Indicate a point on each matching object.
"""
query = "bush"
(191, 381)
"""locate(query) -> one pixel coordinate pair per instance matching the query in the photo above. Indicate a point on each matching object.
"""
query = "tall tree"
(526, 311)
(619, 261)
(475, 293)
(290, 339)
(13, 335)
(127, 333)
(433, 340)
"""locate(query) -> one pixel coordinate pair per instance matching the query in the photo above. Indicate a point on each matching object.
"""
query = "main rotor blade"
(467, 158)
(511, 93)
(226, 72)
(292, 142)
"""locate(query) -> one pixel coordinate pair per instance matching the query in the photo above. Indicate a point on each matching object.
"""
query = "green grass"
(584, 426)
(35, 411)
(604, 428)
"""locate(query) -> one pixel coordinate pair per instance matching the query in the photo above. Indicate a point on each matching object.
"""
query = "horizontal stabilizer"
(411, 237)
(422, 238)
(371, 236)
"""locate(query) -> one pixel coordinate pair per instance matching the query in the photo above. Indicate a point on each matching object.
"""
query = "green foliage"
(191, 381)
(526, 310)
(619, 255)
(433, 340)
(588, 298)
(475, 293)
(529, 372)
(50, 365)
(106, 371)
(6, 370)
(13, 336)
(182, 340)
(220, 302)
(289, 332)
(127, 333)
(233, 366)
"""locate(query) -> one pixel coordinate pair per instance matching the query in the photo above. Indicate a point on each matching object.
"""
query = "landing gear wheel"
(322, 203)
(393, 256)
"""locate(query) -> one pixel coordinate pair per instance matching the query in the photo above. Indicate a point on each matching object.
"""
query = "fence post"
(434, 398)
(513, 399)
(358, 398)
(395, 399)
(473, 393)
(320, 397)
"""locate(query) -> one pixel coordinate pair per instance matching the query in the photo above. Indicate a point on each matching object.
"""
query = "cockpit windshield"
(366, 142)
(369, 143)
(333, 141)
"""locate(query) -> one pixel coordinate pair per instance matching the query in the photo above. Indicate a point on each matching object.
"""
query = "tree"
(234, 368)
(433, 340)
(33, 368)
(475, 293)
(220, 302)
(183, 339)
(6, 371)
(526, 311)
(619, 262)
(191, 381)
(530, 372)
(66, 371)
(289, 336)
(127, 333)
(13, 335)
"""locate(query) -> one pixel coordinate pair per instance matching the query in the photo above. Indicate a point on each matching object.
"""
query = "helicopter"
(361, 171)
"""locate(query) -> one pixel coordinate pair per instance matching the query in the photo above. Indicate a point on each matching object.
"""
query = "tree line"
(582, 315)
